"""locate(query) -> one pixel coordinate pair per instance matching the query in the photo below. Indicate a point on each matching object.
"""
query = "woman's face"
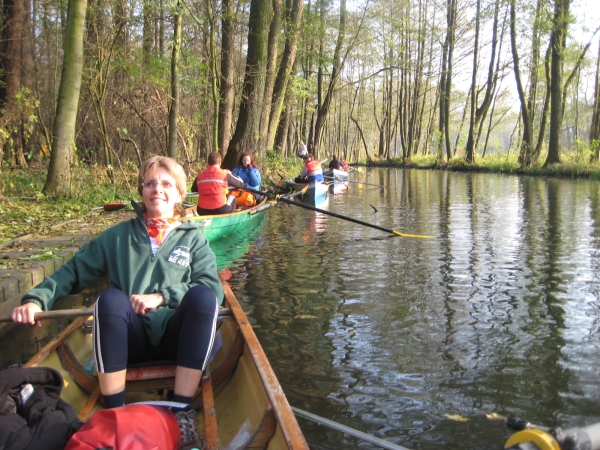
(246, 161)
(160, 194)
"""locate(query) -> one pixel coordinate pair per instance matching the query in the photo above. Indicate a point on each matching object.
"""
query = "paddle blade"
(114, 206)
(418, 236)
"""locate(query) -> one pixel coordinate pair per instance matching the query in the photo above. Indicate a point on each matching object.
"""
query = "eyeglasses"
(151, 184)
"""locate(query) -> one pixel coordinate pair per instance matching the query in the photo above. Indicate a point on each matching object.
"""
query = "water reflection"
(392, 335)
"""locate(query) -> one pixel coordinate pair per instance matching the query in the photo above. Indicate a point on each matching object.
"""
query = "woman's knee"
(113, 301)
(200, 298)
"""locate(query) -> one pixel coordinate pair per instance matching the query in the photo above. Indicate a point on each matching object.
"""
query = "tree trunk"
(558, 42)
(288, 60)
(261, 13)
(323, 106)
(595, 125)
(58, 181)
(480, 112)
(28, 126)
(174, 109)
(12, 38)
(525, 153)
(270, 75)
(446, 82)
(214, 73)
(227, 93)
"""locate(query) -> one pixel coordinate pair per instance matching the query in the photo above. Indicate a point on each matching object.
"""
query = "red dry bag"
(132, 427)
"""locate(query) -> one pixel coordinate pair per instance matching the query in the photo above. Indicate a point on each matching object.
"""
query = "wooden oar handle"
(65, 313)
(58, 314)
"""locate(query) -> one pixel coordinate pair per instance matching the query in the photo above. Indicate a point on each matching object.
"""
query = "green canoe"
(219, 226)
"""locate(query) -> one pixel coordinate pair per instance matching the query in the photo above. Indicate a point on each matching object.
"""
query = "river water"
(423, 341)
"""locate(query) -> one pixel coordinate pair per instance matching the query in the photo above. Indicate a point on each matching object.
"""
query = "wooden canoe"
(218, 226)
(239, 404)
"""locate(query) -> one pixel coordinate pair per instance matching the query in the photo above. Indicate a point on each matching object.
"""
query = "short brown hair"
(214, 158)
(171, 166)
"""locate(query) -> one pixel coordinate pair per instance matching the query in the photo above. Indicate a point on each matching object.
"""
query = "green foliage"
(278, 167)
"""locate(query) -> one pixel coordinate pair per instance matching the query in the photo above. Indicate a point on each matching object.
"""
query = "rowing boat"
(339, 179)
(315, 194)
(218, 226)
(240, 403)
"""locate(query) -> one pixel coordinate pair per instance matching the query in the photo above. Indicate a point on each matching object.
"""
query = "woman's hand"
(145, 302)
(26, 313)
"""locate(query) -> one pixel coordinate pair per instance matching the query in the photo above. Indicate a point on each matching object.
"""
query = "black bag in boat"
(32, 414)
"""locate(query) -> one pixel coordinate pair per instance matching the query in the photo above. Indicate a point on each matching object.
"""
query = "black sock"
(114, 400)
(181, 399)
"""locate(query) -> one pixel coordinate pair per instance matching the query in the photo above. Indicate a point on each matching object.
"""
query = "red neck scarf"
(156, 227)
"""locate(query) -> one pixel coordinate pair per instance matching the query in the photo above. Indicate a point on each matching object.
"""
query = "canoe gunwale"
(283, 411)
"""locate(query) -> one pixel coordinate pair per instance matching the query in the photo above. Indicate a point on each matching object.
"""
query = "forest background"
(90, 88)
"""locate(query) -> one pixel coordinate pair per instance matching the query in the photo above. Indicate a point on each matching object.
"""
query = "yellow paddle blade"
(419, 236)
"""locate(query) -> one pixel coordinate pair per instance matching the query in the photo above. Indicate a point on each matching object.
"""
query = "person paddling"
(164, 294)
(312, 169)
(212, 185)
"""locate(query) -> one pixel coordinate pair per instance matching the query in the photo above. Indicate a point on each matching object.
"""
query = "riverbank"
(26, 260)
(573, 166)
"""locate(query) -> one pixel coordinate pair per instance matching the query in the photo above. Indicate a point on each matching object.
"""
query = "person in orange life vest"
(212, 187)
(312, 169)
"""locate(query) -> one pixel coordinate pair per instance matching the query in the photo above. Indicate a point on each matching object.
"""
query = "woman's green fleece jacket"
(123, 252)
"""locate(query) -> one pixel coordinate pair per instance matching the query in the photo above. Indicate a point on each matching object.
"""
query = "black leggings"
(120, 338)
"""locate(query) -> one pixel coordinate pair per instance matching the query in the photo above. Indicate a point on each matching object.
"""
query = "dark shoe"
(187, 426)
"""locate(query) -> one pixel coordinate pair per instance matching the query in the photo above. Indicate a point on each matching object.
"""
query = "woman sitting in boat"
(212, 187)
(312, 169)
(248, 172)
(164, 292)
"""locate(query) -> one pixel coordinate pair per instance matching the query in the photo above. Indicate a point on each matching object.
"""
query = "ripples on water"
(391, 335)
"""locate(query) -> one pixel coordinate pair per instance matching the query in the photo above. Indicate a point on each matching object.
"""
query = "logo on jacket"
(180, 255)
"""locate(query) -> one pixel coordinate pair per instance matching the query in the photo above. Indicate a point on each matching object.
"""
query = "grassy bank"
(573, 165)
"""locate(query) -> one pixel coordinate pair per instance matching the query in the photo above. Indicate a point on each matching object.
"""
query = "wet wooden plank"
(211, 427)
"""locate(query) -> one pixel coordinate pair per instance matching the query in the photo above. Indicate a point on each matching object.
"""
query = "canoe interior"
(246, 417)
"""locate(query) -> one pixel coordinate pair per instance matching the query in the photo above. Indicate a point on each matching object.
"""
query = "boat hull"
(315, 194)
(339, 182)
(216, 227)
(250, 407)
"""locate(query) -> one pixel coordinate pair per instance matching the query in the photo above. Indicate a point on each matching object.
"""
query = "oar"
(112, 206)
(359, 182)
(57, 314)
(67, 313)
(339, 216)
(120, 205)
(344, 429)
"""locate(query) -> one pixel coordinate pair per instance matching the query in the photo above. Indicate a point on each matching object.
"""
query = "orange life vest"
(212, 188)
(313, 168)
